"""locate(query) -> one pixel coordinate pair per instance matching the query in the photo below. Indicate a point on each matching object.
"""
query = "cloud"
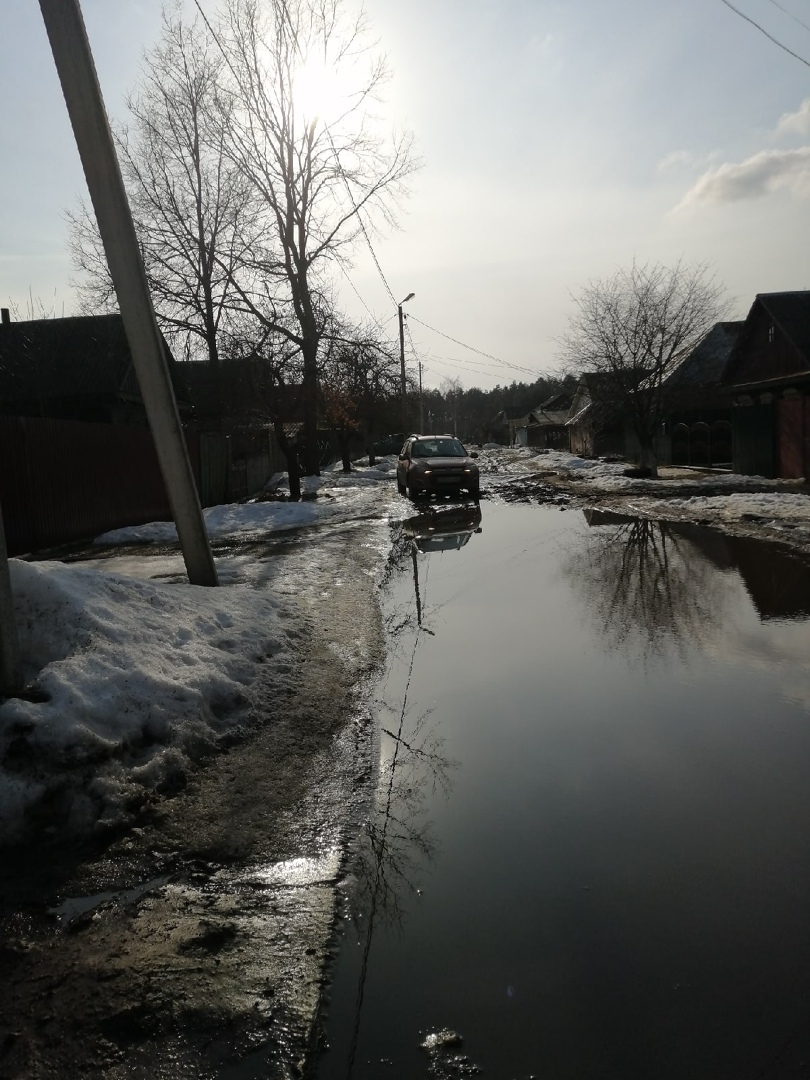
(676, 159)
(759, 175)
(795, 123)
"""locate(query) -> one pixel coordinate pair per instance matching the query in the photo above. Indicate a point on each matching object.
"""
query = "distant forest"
(470, 413)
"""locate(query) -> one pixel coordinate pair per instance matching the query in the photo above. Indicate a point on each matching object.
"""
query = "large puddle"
(590, 850)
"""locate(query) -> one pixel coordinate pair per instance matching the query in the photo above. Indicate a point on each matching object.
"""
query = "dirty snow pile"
(767, 507)
(131, 680)
(340, 497)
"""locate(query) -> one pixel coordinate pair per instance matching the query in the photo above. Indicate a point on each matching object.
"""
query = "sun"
(321, 92)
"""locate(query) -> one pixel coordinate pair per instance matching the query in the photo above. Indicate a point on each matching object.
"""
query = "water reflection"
(435, 530)
(650, 584)
(443, 530)
(397, 839)
(657, 583)
(618, 884)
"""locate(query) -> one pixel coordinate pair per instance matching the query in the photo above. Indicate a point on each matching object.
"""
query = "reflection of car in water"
(443, 530)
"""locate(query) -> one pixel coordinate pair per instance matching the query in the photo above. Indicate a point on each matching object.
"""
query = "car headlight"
(427, 472)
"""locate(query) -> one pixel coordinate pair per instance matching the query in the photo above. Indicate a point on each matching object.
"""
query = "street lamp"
(410, 296)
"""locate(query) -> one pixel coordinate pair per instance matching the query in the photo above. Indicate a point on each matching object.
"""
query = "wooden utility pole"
(85, 105)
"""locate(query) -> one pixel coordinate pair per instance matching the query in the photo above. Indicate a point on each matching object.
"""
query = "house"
(696, 427)
(595, 422)
(548, 423)
(77, 368)
(543, 426)
(768, 380)
(516, 422)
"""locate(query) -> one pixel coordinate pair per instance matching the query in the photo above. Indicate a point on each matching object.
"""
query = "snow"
(137, 677)
(340, 497)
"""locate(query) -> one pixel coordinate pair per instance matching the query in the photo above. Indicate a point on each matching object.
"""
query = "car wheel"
(475, 493)
(413, 491)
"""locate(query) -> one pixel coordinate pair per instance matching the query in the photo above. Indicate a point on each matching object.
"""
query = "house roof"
(244, 387)
(706, 363)
(790, 312)
(81, 357)
(557, 402)
(548, 417)
(511, 413)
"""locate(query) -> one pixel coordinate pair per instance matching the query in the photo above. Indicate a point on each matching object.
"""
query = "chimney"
(5, 316)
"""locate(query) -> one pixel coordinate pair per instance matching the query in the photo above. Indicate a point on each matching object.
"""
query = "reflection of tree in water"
(650, 583)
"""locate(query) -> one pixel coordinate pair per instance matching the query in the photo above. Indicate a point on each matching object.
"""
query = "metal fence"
(66, 480)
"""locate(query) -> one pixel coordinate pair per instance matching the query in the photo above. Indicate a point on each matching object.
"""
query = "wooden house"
(768, 380)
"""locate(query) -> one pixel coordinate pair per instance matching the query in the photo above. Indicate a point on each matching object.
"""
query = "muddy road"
(194, 943)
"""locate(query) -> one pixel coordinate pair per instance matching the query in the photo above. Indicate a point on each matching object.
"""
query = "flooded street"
(588, 854)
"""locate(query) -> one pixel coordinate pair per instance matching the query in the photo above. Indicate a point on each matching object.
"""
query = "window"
(770, 334)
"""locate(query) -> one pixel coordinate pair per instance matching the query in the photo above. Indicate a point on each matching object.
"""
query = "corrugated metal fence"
(65, 480)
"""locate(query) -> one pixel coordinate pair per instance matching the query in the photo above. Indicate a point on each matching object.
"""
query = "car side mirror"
(473, 454)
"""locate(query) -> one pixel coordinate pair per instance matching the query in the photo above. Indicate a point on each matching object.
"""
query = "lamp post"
(410, 296)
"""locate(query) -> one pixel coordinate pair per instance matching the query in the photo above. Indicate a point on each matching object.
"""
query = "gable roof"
(81, 357)
(511, 413)
(790, 312)
(706, 363)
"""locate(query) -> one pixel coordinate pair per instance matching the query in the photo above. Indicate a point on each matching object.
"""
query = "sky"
(561, 139)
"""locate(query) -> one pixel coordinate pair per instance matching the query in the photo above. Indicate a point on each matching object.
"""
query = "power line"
(765, 32)
(790, 14)
(489, 356)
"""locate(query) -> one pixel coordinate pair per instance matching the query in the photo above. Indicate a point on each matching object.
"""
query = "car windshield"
(437, 448)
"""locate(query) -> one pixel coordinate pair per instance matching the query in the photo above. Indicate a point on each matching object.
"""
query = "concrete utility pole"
(85, 105)
(410, 296)
(10, 679)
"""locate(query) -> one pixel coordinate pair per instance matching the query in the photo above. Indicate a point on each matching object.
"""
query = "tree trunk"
(310, 404)
(344, 438)
(648, 459)
(290, 453)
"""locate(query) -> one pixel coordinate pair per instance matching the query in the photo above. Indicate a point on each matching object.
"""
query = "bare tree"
(359, 381)
(192, 207)
(633, 329)
(323, 180)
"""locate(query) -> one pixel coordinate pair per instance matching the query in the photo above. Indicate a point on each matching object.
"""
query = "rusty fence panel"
(65, 480)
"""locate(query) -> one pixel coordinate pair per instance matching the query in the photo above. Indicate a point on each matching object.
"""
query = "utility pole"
(421, 402)
(410, 296)
(10, 678)
(85, 105)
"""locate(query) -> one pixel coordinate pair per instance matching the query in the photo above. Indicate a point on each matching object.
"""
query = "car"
(389, 444)
(436, 465)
